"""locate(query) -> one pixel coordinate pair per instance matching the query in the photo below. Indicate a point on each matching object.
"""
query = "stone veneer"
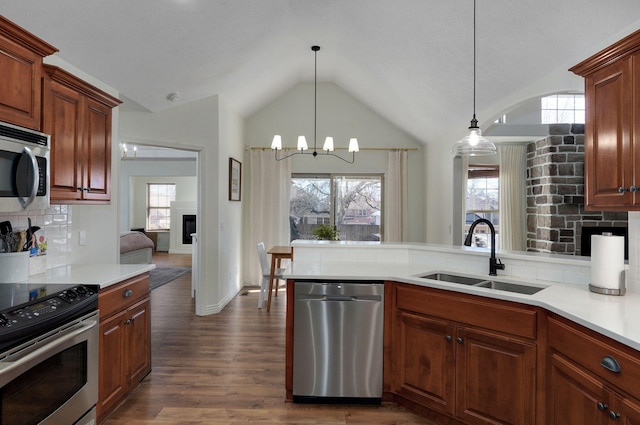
(555, 193)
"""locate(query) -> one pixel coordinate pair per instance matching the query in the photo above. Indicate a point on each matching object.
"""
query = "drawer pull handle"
(610, 364)
(602, 406)
(128, 293)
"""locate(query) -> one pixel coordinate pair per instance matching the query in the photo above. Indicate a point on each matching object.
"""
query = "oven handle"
(86, 327)
(24, 202)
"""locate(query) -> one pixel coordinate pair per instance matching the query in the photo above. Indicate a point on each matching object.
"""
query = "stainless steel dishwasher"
(337, 342)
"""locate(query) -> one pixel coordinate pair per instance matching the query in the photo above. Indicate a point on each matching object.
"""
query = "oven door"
(52, 379)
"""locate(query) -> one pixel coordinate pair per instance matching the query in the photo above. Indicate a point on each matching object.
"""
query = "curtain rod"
(264, 148)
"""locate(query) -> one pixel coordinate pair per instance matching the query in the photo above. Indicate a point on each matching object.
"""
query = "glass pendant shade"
(302, 143)
(353, 145)
(474, 145)
(328, 144)
(277, 142)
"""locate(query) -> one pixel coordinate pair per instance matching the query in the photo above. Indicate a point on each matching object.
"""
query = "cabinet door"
(626, 410)
(20, 88)
(63, 121)
(608, 151)
(574, 397)
(138, 325)
(112, 385)
(97, 127)
(495, 378)
(424, 361)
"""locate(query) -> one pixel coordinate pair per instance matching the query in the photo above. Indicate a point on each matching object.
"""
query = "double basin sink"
(483, 283)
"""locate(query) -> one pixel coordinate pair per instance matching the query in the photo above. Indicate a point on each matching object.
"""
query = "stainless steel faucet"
(494, 263)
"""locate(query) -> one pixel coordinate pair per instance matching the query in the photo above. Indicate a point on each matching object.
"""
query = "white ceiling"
(409, 60)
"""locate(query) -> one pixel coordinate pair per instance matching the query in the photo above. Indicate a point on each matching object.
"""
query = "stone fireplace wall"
(555, 193)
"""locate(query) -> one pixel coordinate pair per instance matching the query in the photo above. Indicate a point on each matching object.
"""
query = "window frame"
(333, 177)
(157, 208)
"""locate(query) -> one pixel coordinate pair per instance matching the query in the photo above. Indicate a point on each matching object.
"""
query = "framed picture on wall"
(235, 179)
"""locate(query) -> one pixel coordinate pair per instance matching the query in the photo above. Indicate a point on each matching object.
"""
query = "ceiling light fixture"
(276, 144)
(474, 144)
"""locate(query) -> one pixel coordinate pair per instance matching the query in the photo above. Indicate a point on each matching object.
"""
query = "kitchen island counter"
(103, 275)
(614, 316)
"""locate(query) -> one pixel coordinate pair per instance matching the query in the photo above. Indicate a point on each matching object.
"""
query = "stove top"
(28, 310)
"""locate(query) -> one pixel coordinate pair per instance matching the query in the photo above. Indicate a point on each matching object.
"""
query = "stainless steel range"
(48, 354)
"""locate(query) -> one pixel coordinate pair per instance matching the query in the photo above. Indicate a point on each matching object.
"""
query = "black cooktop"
(28, 309)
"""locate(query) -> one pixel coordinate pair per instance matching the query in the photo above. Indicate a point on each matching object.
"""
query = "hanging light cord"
(474, 121)
(315, 97)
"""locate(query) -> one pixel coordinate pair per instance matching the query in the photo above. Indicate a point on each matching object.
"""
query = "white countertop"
(617, 317)
(95, 274)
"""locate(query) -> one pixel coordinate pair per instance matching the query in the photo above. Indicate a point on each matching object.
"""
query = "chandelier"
(302, 146)
(474, 144)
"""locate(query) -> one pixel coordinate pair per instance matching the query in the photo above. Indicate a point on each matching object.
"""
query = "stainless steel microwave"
(24, 169)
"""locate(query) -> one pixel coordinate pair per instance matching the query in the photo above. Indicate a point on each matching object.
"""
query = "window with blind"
(482, 201)
(159, 198)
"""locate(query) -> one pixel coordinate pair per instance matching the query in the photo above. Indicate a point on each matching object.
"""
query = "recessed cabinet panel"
(64, 127)
(608, 144)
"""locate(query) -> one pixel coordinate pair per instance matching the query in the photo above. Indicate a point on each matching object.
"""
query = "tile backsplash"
(55, 225)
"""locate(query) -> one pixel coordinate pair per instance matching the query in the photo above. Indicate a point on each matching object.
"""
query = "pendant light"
(302, 146)
(474, 144)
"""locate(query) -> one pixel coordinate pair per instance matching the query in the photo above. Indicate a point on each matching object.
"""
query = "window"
(482, 202)
(562, 108)
(350, 202)
(159, 197)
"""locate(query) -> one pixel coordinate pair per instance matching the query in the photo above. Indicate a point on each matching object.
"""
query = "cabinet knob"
(459, 340)
(622, 189)
(602, 406)
(611, 364)
(449, 338)
(128, 293)
(128, 321)
(613, 415)
(633, 189)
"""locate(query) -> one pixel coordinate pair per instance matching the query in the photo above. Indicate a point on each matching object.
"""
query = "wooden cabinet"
(78, 118)
(612, 135)
(21, 56)
(591, 379)
(125, 341)
(467, 357)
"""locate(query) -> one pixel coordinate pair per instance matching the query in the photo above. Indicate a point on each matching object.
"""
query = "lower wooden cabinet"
(591, 379)
(443, 362)
(125, 341)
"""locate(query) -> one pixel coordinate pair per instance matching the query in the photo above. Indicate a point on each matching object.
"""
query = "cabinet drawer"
(497, 315)
(122, 295)
(589, 349)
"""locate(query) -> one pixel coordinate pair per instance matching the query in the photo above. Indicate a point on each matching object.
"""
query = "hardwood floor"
(226, 368)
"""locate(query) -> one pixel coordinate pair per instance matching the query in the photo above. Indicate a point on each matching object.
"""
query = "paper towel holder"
(611, 291)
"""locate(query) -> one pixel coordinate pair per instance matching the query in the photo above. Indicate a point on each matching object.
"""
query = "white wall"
(131, 200)
(186, 190)
(341, 116)
(197, 126)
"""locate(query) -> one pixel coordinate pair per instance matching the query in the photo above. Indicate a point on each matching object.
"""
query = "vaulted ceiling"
(409, 60)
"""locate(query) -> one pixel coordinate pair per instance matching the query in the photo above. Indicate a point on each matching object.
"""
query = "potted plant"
(325, 232)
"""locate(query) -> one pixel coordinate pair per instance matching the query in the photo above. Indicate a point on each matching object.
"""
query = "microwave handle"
(24, 202)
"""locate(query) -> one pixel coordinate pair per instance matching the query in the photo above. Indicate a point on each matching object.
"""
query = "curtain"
(270, 183)
(396, 197)
(463, 194)
(513, 194)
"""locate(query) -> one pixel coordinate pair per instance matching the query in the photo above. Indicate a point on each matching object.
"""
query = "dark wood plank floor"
(226, 368)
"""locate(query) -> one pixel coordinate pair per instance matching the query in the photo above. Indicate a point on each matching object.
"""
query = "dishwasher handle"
(342, 298)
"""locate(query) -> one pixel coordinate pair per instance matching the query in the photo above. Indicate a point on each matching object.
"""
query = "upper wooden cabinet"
(78, 117)
(21, 56)
(612, 127)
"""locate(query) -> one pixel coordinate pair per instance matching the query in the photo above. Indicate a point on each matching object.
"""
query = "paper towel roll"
(607, 261)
